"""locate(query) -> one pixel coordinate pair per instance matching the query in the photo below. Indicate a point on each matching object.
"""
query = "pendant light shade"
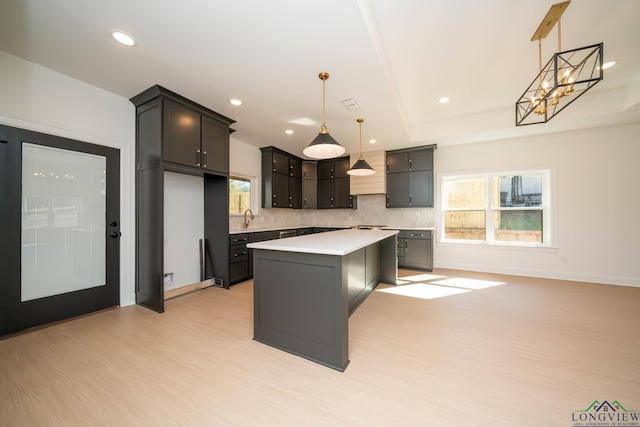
(361, 167)
(323, 146)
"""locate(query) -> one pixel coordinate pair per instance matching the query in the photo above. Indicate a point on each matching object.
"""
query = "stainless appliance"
(287, 233)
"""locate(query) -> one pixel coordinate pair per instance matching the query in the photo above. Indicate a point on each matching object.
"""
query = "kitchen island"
(306, 287)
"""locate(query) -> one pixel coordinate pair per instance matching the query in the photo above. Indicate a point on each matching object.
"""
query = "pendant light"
(566, 77)
(323, 146)
(361, 167)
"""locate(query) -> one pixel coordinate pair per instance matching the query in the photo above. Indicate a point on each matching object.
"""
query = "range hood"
(370, 184)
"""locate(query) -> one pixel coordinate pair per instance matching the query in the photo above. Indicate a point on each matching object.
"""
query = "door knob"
(115, 234)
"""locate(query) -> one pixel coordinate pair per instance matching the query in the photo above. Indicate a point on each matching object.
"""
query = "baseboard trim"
(173, 293)
(572, 276)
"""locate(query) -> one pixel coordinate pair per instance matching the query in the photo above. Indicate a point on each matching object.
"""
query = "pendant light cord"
(323, 76)
(360, 120)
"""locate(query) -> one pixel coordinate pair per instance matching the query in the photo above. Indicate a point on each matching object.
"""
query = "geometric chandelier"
(566, 77)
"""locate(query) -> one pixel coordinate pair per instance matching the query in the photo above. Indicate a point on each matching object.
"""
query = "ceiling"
(396, 58)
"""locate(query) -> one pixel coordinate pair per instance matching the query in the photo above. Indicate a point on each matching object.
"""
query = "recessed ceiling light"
(235, 102)
(372, 141)
(123, 38)
(443, 100)
(608, 64)
(289, 132)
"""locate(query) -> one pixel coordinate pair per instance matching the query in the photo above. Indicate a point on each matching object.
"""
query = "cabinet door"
(397, 162)
(280, 164)
(325, 170)
(181, 135)
(238, 272)
(295, 193)
(215, 145)
(325, 193)
(421, 188)
(421, 160)
(310, 170)
(280, 193)
(397, 190)
(309, 194)
(417, 253)
(342, 193)
(341, 167)
(295, 168)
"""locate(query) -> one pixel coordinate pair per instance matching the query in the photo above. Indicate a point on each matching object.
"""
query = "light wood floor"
(526, 353)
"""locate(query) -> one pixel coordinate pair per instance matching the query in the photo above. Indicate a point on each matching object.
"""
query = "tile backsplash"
(371, 210)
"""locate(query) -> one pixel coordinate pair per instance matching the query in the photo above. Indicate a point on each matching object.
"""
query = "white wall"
(38, 99)
(183, 227)
(597, 181)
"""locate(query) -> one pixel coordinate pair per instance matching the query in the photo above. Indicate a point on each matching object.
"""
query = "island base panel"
(300, 305)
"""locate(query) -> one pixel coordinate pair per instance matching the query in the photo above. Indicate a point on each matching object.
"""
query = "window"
(506, 207)
(239, 195)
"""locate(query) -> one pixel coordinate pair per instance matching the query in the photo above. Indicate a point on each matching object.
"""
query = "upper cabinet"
(192, 135)
(281, 179)
(334, 184)
(309, 185)
(214, 145)
(181, 134)
(410, 177)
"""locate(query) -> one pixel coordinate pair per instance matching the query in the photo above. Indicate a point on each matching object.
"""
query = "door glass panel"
(63, 221)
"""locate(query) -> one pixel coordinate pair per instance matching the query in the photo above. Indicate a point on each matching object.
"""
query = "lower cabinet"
(415, 249)
(238, 258)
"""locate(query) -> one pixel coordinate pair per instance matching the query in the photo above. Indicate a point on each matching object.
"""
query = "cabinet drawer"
(235, 239)
(239, 271)
(415, 234)
(238, 253)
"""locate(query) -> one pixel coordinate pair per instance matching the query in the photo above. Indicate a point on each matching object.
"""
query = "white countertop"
(341, 242)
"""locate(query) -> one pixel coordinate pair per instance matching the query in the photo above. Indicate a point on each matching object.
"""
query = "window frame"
(547, 207)
(253, 204)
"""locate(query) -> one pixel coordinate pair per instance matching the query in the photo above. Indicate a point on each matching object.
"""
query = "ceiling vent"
(351, 104)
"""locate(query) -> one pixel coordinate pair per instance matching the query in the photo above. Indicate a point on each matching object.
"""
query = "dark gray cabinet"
(309, 185)
(194, 139)
(410, 177)
(238, 258)
(176, 134)
(214, 142)
(334, 188)
(415, 250)
(281, 179)
(241, 257)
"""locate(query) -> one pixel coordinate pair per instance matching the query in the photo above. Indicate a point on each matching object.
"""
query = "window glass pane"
(467, 193)
(517, 190)
(518, 226)
(239, 195)
(464, 225)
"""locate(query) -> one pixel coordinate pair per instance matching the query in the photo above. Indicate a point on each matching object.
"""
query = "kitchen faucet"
(246, 222)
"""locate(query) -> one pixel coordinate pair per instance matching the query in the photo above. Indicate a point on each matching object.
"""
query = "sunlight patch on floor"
(427, 286)
(460, 282)
(424, 291)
